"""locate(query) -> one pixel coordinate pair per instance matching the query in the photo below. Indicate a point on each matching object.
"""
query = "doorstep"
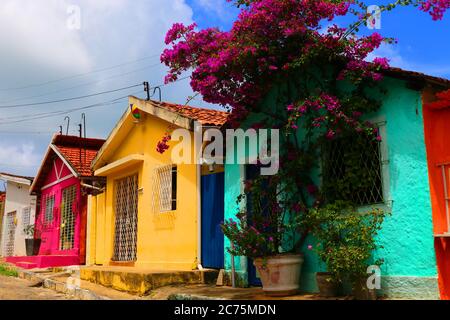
(44, 261)
(66, 281)
(142, 282)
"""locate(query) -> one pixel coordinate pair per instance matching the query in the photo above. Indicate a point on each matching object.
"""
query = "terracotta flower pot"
(280, 274)
(327, 287)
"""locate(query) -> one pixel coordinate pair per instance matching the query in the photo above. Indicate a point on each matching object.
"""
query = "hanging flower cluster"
(163, 145)
(280, 46)
(436, 8)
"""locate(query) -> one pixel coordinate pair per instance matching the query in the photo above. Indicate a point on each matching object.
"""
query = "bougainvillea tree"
(282, 46)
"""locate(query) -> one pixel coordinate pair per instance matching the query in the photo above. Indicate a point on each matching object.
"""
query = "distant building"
(18, 213)
(61, 185)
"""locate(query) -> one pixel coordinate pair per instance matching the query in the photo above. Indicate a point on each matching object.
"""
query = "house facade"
(63, 181)
(2, 212)
(410, 187)
(153, 212)
(18, 212)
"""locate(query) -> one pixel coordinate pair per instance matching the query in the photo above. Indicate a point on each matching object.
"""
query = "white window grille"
(49, 208)
(26, 218)
(67, 228)
(10, 235)
(126, 215)
(165, 189)
(355, 153)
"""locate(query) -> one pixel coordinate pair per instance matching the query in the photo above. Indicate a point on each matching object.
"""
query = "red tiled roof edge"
(398, 72)
(204, 115)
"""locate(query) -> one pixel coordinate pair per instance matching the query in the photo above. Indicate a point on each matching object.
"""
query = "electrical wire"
(85, 84)
(63, 112)
(67, 99)
(77, 75)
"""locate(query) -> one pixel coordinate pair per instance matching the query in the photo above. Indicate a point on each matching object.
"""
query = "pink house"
(62, 184)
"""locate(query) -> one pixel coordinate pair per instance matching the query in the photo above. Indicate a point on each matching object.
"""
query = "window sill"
(385, 206)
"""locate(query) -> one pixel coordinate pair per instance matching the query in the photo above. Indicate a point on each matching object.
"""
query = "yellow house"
(150, 212)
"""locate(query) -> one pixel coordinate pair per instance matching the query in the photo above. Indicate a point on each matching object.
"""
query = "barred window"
(352, 170)
(165, 189)
(67, 227)
(49, 206)
(26, 218)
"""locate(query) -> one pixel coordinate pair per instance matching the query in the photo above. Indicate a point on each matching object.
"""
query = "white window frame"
(162, 187)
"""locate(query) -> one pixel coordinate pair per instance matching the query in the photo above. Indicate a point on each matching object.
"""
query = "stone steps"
(143, 282)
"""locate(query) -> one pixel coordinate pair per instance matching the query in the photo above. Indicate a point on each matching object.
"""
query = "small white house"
(20, 211)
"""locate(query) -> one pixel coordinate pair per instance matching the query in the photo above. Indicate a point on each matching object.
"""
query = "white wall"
(17, 199)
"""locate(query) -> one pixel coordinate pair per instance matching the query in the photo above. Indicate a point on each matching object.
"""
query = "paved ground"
(12, 288)
(229, 293)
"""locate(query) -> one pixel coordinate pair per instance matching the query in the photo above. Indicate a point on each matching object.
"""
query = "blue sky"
(128, 36)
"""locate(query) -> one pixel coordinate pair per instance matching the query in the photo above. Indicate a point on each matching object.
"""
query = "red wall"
(437, 139)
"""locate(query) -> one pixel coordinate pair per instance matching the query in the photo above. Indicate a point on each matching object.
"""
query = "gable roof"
(77, 154)
(179, 115)
(16, 178)
(417, 76)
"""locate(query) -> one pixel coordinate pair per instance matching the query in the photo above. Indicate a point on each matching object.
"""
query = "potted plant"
(33, 241)
(267, 231)
(346, 241)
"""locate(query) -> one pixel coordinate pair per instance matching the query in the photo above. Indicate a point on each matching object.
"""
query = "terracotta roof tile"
(79, 152)
(204, 116)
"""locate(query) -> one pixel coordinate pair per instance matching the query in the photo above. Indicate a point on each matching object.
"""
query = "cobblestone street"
(18, 289)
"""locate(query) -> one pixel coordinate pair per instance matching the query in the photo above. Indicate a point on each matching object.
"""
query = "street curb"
(58, 286)
(183, 296)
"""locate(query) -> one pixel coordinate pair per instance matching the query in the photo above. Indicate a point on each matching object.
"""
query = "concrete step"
(142, 282)
(31, 262)
(26, 265)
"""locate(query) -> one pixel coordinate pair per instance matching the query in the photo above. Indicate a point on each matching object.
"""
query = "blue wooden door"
(212, 217)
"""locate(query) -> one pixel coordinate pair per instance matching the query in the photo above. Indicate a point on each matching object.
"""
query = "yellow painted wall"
(165, 240)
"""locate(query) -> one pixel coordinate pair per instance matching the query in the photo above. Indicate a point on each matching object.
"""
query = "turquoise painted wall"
(409, 269)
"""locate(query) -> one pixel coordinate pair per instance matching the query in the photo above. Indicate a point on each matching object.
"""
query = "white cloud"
(36, 46)
(20, 158)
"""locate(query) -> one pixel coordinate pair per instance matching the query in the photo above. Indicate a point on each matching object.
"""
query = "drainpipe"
(198, 147)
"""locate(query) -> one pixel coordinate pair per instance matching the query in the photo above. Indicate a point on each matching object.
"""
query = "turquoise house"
(410, 267)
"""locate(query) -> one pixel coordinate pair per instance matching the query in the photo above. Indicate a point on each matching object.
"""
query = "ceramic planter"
(327, 287)
(32, 246)
(29, 246)
(280, 274)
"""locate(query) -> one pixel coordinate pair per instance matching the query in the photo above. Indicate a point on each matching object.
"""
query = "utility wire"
(85, 84)
(67, 111)
(76, 75)
(67, 99)
(62, 112)
(26, 132)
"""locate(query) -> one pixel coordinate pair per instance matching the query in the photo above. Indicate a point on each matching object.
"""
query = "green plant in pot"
(32, 240)
(268, 231)
(347, 240)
